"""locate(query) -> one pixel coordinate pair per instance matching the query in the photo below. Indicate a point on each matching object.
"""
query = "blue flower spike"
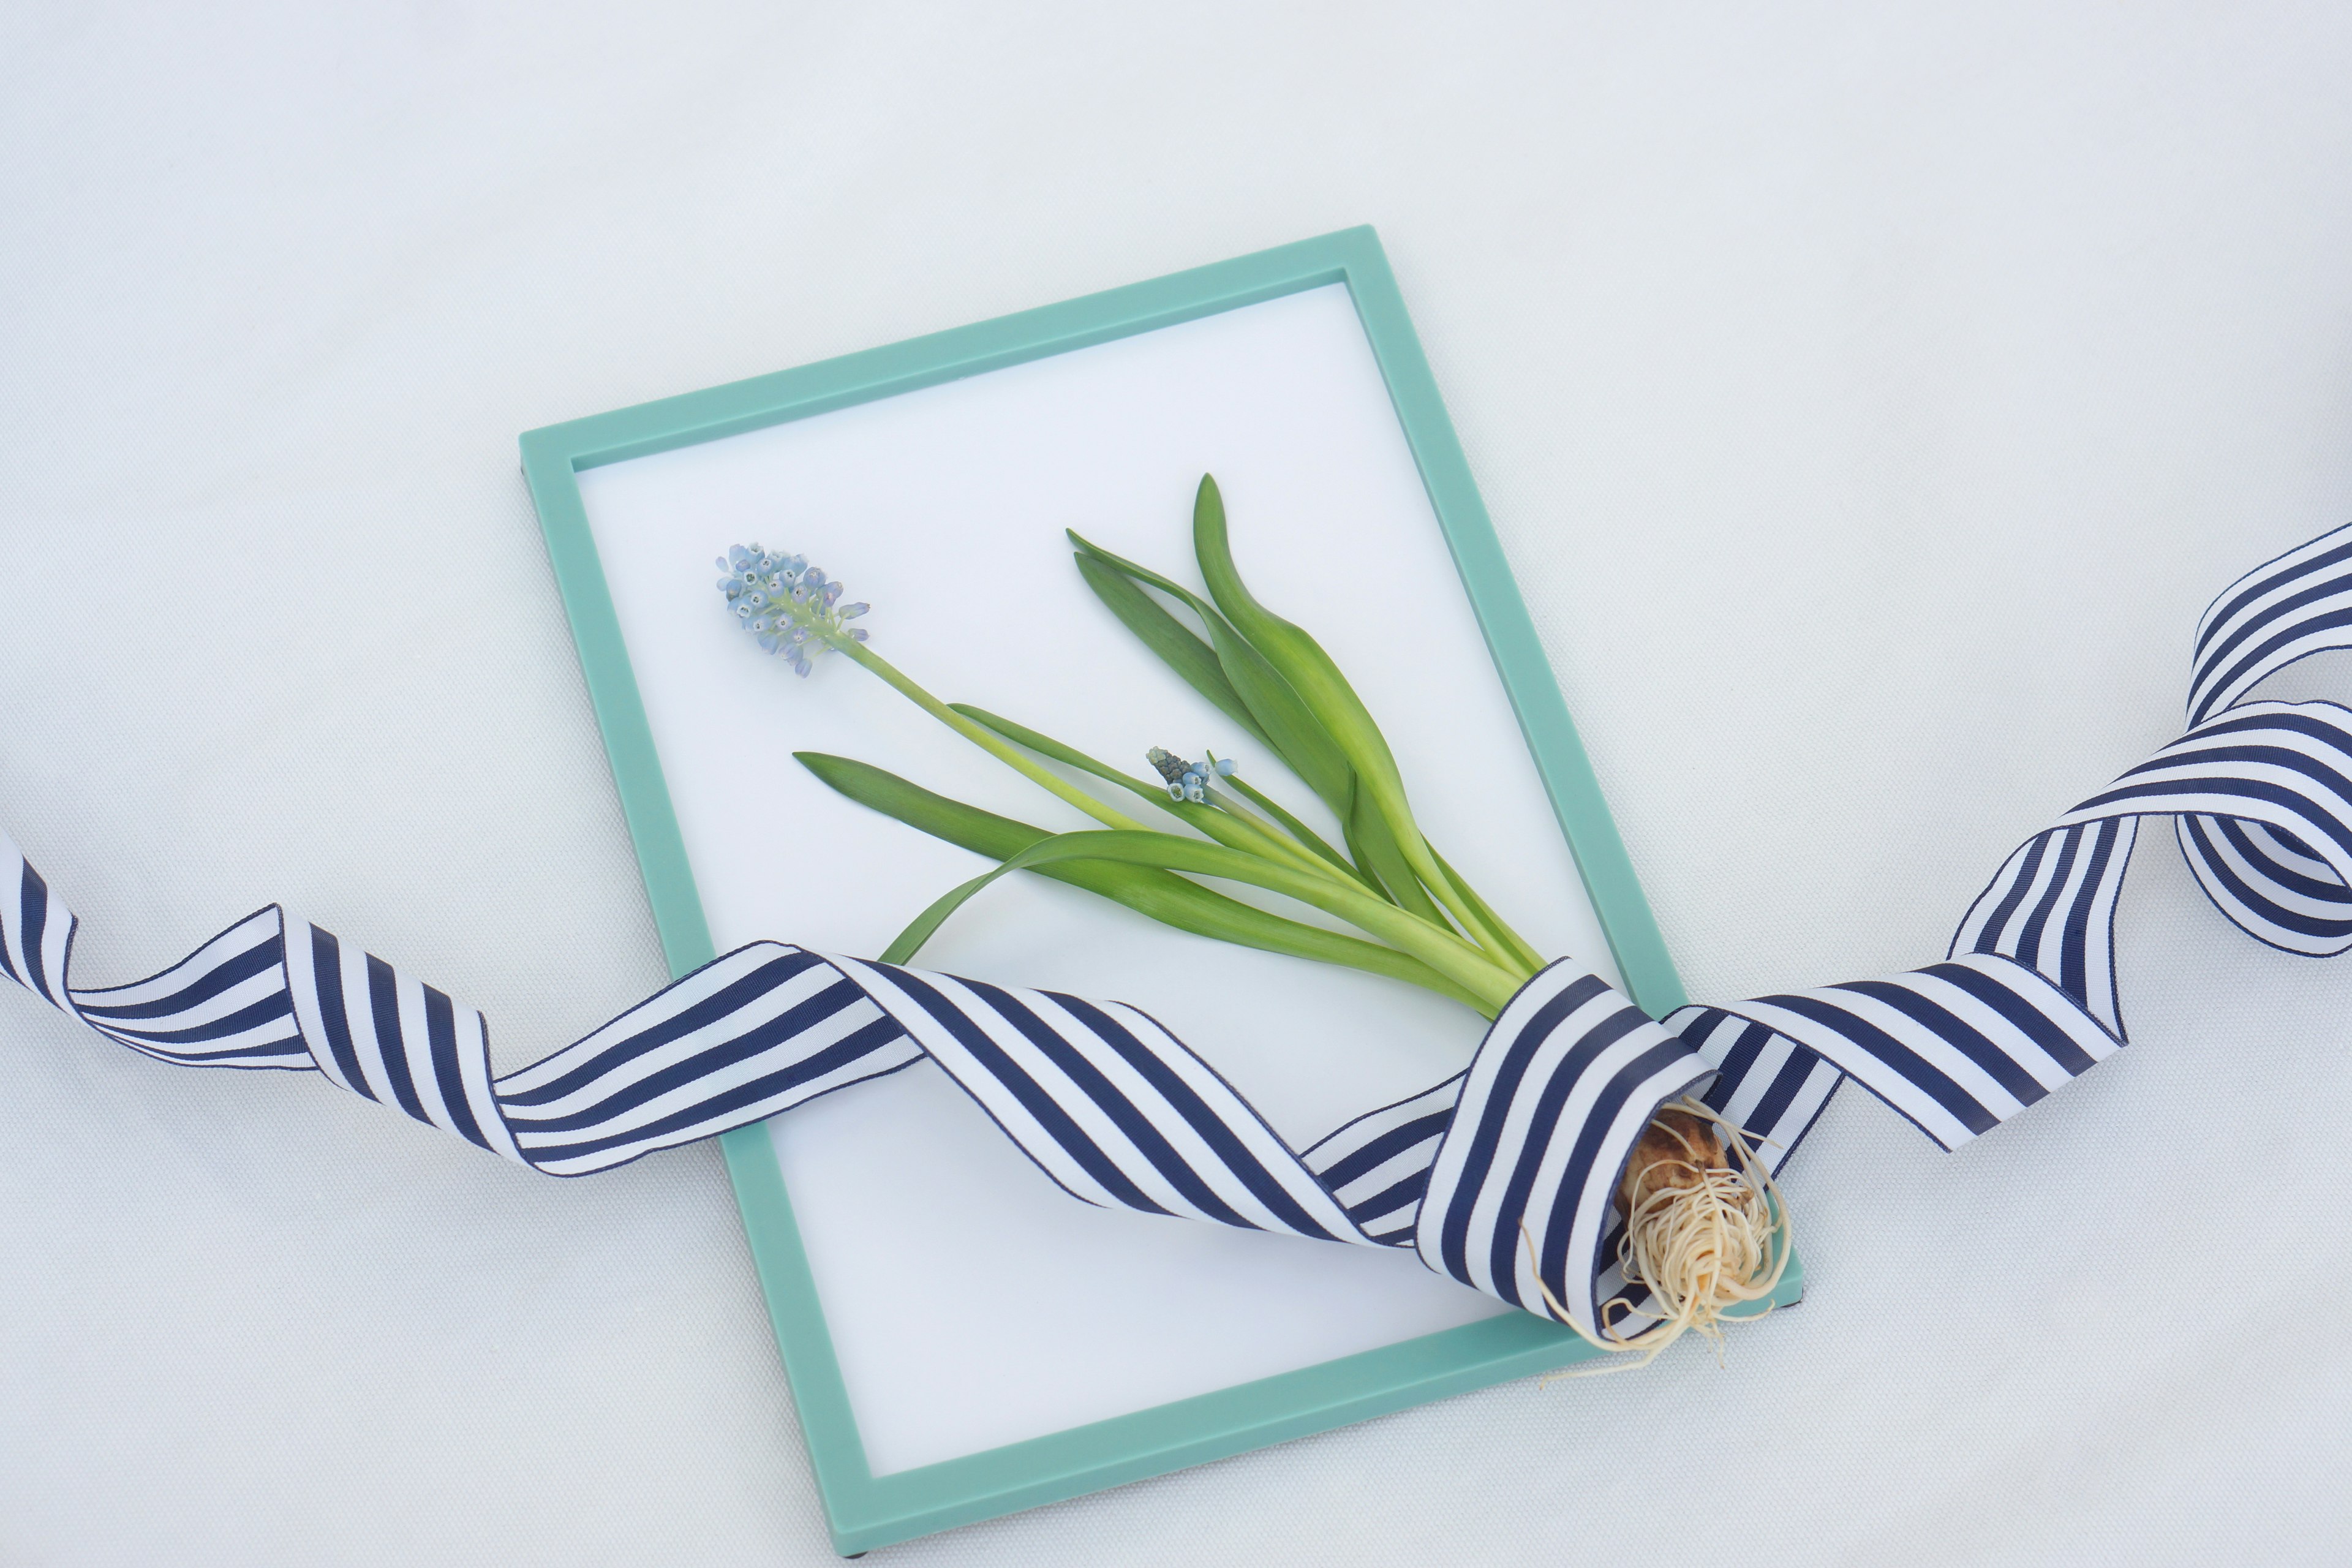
(1189, 781)
(789, 607)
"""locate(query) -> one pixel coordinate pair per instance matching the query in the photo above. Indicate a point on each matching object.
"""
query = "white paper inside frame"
(972, 1303)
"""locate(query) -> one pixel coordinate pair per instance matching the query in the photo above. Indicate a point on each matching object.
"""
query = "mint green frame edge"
(864, 1510)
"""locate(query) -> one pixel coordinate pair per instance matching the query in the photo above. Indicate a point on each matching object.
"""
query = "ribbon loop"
(2287, 609)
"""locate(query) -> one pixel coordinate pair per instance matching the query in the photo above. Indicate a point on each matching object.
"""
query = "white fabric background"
(1869, 401)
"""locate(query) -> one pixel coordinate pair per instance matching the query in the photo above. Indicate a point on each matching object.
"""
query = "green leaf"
(1512, 939)
(1295, 657)
(1456, 960)
(1319, 686)
(1284, 721)
(1140, 572)
(967, 826)
(1046, 746)
(1156, 894)
(1194, 660)
(1375, 850)
(1295, 828)
(1302, 742)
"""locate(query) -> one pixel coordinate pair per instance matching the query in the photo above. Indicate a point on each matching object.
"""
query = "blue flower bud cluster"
(791, 606)
(1189, 781)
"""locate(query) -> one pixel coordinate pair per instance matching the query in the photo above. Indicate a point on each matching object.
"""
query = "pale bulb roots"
(1706, 1233)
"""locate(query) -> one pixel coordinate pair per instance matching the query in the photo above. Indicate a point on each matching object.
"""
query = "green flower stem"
(988, 741)
(1516, 945)
(1252, 838)
(1296, 829)
(1236, 830)
(1477, 920)
(1262, 832)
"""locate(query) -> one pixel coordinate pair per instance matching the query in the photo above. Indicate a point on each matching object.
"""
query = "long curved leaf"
(1375, 850)
(1285, 721)
(1158, 895)
(1291, 825)
(1320, 687)
(1311, 674)
(1193, 660)
(1442, 951)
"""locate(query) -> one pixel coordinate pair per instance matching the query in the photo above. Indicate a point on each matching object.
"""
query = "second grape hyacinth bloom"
(1189, 781)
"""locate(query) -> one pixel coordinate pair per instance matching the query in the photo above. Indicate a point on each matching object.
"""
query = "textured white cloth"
(1903, 384)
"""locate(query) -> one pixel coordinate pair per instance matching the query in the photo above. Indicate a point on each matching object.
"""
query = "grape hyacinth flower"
(791, 606)
(1189, 781)
(795, 611)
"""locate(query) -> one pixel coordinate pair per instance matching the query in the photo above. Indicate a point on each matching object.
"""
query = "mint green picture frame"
(864, 1510)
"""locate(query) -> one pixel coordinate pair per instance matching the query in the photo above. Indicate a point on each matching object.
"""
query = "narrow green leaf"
(1319, 686)
(1302, 740)
(1046, 746)
(1282, 721)
(1450, 957)
(1512, 939)
(1296, 657)
(966, 827)
(1140, 572)
(1295, 828)
(1156, 894)
(1193, 660)
(1375, 850)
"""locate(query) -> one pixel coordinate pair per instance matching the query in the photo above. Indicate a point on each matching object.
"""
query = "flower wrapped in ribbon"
(1700, 1228)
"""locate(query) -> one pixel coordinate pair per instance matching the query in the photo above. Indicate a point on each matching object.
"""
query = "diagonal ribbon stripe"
(1502, 1176)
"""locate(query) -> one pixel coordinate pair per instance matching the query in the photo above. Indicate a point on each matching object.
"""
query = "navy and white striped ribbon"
(2261, 798)
(1501, 1177)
